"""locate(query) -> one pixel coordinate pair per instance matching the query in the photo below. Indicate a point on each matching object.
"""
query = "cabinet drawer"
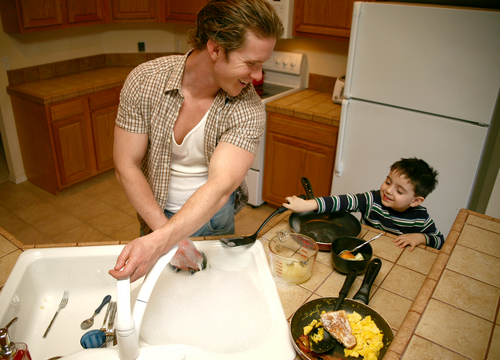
(302, 129)
(104, 99)
(67, 110)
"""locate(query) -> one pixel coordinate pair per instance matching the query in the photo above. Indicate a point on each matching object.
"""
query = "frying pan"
(312, 310)
(325, 227)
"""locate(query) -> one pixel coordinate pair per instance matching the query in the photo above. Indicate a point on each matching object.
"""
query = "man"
(187, 130)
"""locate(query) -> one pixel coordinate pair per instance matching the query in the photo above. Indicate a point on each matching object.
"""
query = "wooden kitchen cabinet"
(135, 10)
(66, 142)
(103, 111)
(323, 19)
(25, 16)
(297, 148)
(88, 11)
(72, 143)
(183, 12)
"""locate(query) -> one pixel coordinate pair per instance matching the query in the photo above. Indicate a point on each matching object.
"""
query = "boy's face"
(397, 192)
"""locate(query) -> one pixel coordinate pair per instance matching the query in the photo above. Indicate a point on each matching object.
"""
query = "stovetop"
(267, 90)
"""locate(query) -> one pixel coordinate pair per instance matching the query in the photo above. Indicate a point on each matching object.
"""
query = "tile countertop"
(308, 104)
(440, 304)
(60, 88)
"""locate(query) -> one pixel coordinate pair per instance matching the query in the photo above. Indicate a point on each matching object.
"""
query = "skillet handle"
(363, 293)
(307, 187)
(349, 280)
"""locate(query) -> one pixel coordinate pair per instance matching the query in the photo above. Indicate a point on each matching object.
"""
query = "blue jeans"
(222, 223)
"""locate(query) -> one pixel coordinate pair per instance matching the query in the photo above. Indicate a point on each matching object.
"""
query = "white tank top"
(189, 169)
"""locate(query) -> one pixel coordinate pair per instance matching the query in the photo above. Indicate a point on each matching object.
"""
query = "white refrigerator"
(421, 81)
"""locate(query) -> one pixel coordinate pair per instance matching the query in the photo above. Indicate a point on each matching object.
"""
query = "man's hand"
(136, 259)
(411, 240)
(139, 256)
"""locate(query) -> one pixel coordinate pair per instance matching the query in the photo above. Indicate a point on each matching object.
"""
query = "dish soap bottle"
(10, 350)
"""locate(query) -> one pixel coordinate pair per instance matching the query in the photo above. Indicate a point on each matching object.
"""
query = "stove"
(285, 73)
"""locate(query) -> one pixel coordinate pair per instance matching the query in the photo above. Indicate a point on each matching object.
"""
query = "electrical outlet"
(142, 46)
(5, 63)
(178, 46)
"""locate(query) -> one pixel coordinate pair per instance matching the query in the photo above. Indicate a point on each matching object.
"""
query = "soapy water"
(217, 309)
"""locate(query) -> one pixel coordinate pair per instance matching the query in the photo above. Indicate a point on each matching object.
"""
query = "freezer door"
(437, 60)
(372, 137)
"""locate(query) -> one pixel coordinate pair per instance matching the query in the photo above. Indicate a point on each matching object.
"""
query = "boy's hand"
(299, 205)
(411, 240)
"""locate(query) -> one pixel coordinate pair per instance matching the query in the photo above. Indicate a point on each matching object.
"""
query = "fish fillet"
(337, 324)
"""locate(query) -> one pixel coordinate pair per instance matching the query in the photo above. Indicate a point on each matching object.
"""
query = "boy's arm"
(299, 205)
(347, 202)
(429, 235)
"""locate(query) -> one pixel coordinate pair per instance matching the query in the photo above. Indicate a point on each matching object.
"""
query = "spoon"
(363, 244)
(89, 322)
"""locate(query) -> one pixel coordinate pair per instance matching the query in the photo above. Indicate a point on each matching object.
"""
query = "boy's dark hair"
(419, 173)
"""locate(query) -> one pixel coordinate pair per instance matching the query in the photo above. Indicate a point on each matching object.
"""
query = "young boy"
(394, 208)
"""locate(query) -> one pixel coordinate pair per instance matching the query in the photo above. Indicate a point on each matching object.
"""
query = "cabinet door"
(183, 11)
(84, 11)
(324, 19)
(103, 125)
(74, 154)
(103, 111)
(297, 148)
(143, 10)
(40, 13)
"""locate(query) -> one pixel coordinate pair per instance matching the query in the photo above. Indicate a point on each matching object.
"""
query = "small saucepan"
(343, 266)
(326, 227)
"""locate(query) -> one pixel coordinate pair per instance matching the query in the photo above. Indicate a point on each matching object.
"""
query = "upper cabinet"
(80, 12)
(183, 12)
(25, 16)
(40, 15)
(135, 10)
(323, 19)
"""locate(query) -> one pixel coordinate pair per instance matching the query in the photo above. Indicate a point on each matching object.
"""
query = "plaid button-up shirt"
(149, 104)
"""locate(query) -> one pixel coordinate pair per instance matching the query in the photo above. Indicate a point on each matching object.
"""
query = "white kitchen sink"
(231, 310)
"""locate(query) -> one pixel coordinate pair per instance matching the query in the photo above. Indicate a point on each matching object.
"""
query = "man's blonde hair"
(226, 22)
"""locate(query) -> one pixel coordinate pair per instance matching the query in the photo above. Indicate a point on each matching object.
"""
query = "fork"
(62, 305)
(103, 327)
(110, 333)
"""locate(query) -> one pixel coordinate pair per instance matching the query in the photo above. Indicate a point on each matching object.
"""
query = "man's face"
(397, 192)
(244, 65)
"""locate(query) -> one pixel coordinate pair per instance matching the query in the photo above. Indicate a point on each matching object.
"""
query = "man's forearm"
(141, 197)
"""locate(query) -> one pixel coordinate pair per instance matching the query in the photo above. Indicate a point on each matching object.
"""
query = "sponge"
(192, 271)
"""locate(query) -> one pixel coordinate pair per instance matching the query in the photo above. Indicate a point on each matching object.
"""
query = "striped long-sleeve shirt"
(373, 213)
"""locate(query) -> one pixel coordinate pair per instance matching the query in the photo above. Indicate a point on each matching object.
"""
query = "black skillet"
(325, 227)
(312, 310)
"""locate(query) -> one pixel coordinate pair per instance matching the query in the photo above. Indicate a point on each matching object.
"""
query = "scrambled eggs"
(315, 323)
(368, 336)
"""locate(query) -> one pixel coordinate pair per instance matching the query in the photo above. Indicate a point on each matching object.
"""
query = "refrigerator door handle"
(340, 141)
(352, 48)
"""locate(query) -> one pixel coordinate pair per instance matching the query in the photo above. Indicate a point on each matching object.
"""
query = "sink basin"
(39, 278)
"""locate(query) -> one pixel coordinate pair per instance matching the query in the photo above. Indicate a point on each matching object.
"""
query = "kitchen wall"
(325, 58)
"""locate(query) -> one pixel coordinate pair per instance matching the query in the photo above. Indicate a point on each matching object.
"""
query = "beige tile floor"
(96, 210)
